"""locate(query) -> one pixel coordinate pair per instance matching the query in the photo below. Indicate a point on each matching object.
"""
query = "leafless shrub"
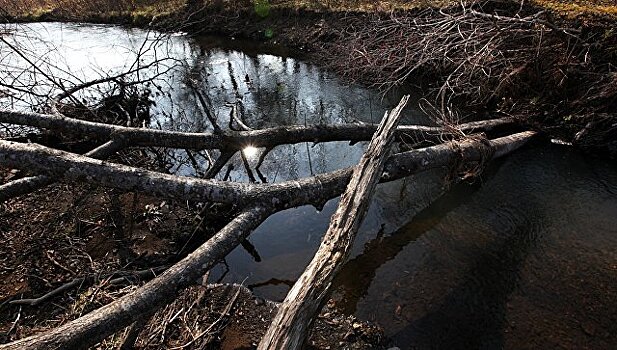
(469, 54)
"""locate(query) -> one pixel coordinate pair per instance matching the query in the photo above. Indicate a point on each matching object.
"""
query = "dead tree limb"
(233, 140)
(92, 328)
(314, 190)
(229, 143)
(289, 328)
(125, 278)
(32, 183)
(66, 165)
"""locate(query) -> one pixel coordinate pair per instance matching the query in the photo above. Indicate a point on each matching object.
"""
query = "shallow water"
(526, 258)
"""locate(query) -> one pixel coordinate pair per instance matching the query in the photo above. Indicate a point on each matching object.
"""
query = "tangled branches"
(473, 54)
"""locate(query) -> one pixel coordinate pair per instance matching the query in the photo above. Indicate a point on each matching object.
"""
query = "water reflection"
(519, 262)
(356, 276)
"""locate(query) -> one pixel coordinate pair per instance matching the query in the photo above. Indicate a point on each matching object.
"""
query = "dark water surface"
(526, 258)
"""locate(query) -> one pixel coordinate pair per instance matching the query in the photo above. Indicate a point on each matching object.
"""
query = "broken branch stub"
(289, 329)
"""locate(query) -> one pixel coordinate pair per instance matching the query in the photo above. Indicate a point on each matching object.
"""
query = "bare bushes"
(473, 54)
(488, 56)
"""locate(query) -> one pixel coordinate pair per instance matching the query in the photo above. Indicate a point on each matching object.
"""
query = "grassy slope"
(574, 8)
(85, 9)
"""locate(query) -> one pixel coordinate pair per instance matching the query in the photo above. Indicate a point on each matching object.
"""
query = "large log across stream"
(229, 142)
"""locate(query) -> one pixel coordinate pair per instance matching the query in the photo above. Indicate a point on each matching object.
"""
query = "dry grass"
(76, 9)
(84, 9)
(362, 5)
(576, 8)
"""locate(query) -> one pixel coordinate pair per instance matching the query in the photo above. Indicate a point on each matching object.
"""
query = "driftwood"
(295, 315)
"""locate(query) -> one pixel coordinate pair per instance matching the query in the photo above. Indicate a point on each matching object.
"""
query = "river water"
(524, 258)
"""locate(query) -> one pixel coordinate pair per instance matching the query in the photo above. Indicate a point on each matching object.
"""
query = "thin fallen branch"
(92, 328)
(80, 281)
(289, 328)
(219, 163)
(128, 342)
(217, 322)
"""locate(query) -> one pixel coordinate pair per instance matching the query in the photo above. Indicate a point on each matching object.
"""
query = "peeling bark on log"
(289, 329)
(233, 140)
(92, 328)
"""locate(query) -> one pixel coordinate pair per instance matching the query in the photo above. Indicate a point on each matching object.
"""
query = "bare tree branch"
(289, 328)
(97, 325)
(234, 140)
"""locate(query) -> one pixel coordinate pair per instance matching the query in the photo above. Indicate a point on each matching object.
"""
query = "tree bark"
(289, 328)
(32, 183)
(234, 140)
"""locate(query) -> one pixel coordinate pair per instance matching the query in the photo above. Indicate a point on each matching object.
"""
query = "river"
(526, 257)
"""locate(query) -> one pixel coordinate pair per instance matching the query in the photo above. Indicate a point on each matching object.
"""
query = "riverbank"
(550, 64)
(97, 233)
(88, 222)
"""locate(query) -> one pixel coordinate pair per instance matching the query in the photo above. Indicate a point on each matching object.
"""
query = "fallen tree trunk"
(284, 135)
(229, 142)
(314, 190)
(92, 328)
(32, 183)
(290, 327)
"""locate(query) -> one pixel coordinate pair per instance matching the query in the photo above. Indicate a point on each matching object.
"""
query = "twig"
(222, 317)
(87, 279)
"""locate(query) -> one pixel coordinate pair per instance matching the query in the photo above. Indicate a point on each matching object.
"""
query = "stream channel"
(524, 258)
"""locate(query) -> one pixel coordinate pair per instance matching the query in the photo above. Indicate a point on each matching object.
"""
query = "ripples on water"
(525, 259)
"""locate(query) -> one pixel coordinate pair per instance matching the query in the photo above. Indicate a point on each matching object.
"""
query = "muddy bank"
(55, 235)
(243, 319)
